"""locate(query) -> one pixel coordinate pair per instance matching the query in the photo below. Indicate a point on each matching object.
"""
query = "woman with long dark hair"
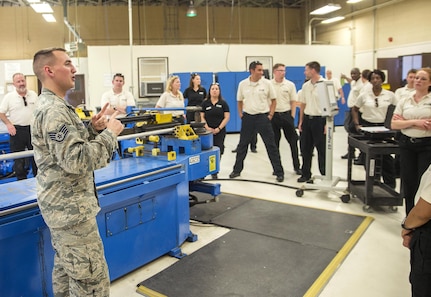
(215, 114)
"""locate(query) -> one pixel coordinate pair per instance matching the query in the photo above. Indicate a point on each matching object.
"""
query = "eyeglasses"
(215, 84)
(193, 75)
(376, 100)
(118, 74)
(25, 101)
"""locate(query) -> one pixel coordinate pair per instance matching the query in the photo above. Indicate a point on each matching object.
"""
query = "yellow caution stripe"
(147, 292)
(324, 277)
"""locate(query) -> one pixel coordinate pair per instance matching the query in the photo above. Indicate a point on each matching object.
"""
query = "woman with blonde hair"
(413, 117)
(172, 98)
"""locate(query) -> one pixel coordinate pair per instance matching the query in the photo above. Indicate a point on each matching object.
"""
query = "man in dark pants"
(253, 145)
(19, 105)
(285, 112)
(254, 94)
(311, 123)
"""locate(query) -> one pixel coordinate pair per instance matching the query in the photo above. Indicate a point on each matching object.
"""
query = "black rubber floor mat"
(273, 249)
(241, 263)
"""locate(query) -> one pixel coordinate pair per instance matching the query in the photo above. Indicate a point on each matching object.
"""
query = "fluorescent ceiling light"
(332, 20)
(330, 7)
(49, 17)
(191, 11)
(353, 1)
(42, 7)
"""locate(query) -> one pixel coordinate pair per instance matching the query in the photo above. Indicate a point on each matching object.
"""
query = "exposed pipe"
(309, 28)
(131, 46)
(372, 8)
(30, 153)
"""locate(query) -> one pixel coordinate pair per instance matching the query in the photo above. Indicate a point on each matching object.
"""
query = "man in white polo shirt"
(256, 107)
(287, 100)
(16, 112)
(118, 98)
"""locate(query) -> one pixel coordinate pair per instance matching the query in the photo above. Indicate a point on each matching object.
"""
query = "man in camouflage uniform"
(66, 153)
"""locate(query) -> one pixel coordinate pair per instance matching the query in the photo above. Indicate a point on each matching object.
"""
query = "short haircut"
(16, 74)
(413, 70)
(119, 75)
(42, 58)
(365, 73)
(377, 72)
(253, 65)
(277, 65)
(314, 65)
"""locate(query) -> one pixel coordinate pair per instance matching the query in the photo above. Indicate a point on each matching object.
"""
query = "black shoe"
(303, 179)
(234, 151)
(280, 178)
(214, 176)
(298, 171)
(346, 156)
(234, 174)
(253, 150)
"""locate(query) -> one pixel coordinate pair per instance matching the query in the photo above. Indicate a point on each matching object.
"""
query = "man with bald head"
(16, 112)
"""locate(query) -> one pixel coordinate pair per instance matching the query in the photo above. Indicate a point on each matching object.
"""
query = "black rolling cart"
(371, 191)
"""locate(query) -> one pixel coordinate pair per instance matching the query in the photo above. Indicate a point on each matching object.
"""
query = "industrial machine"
(144, 201)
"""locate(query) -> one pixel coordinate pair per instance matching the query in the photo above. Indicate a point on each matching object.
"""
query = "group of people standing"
(369, 104)
(265, 107)
(66, 152)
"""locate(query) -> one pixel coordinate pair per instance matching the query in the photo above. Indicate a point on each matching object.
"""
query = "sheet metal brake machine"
(144, 199)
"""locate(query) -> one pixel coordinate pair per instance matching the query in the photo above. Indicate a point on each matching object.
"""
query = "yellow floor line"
(324, 277)
(147, 292)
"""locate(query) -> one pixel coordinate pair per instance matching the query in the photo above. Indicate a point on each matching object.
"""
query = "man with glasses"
(16, 112)
(117, 98)
(287, 100)
(256, 107)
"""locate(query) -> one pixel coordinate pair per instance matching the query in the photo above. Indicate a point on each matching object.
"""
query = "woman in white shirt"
(172, 98)
(413, 117)
(374, 103)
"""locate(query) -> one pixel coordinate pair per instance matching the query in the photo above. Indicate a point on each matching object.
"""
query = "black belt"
(311, 117)
(416, 140)
(283, 112)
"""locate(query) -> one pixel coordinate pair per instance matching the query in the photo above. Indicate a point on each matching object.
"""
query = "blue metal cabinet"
(144, 215)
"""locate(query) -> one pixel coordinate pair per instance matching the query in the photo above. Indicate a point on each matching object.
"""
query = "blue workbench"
(144, 215)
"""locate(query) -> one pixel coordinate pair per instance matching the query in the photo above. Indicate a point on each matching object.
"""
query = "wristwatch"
(404, 226)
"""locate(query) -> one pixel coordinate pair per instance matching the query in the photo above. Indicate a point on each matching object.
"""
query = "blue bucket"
(206, 140)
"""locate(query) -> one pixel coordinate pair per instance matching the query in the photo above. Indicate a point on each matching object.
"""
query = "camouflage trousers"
(80, 267)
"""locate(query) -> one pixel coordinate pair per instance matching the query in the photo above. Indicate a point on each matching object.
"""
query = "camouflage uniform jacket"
(66, 153)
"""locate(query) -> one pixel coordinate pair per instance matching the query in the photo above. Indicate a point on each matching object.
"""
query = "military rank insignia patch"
(60, 135)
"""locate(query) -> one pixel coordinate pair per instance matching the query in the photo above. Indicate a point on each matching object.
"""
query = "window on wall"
(153, 73)
(410, 62)
(266, 63)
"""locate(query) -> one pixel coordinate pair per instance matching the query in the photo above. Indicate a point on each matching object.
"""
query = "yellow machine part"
(138, 150)
(84, 114)
(163, 118)
(154, 138)
(185, 132)
(172, 155)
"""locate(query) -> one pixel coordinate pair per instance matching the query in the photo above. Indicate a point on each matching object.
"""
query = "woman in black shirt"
(195, 94)
(215, 114)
